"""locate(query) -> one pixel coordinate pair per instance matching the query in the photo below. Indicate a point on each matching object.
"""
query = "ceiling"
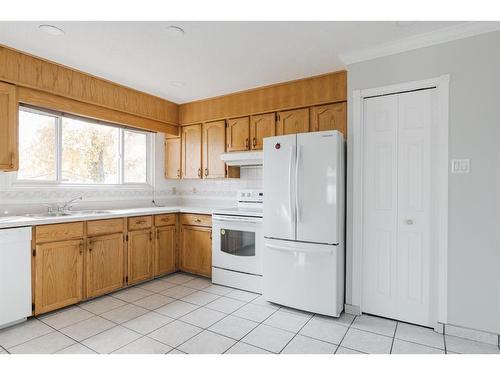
(212, 58)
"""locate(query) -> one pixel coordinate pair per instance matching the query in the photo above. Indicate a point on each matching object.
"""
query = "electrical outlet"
(460, 165)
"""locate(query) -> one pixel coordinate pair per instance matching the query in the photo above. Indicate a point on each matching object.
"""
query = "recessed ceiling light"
(178, 83)
(51, 30)
(175, 31)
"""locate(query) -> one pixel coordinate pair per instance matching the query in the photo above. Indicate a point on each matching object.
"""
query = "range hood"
(244, 158)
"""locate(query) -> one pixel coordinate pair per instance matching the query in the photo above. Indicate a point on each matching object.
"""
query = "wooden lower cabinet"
(104, 264)
(165, 249)
(80, 260)
(140, 255)
(58, 274)
(196, 250)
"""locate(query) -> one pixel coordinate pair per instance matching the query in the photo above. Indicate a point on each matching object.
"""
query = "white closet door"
(413, 250)
(396, 243)
(380, 205)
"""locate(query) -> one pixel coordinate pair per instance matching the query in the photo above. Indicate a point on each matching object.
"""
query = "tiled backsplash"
(20, 199)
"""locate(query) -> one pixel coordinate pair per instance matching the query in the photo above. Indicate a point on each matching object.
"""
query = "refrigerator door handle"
(294, 249)
(290, 184)
(297, 165)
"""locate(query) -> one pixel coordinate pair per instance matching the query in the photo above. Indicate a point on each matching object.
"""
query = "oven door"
(237, 243)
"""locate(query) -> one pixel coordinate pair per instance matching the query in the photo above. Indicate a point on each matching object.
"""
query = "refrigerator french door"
(304, 221)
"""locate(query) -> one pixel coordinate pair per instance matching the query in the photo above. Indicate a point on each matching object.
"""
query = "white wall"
(474, 132)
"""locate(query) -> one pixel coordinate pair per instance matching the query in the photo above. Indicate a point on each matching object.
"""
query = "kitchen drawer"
(58, 232)
(140, 222)
(166, 219)
(195, 219)
(106, 226)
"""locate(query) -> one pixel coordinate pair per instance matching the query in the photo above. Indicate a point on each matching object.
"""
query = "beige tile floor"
(182, 313)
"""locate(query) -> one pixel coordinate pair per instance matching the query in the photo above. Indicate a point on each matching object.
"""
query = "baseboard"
(352, 309)
(472, 334)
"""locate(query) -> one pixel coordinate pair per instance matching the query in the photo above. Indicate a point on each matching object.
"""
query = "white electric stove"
(237, 243)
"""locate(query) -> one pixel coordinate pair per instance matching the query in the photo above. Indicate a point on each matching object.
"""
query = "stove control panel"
(249, 195)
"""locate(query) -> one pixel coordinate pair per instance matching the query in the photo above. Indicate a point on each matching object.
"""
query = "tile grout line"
(258, 324)
(100, 315)
(394, 336)
(179, 317)
(246, 303)
(345, 334)
(75, 341)
(296, 333)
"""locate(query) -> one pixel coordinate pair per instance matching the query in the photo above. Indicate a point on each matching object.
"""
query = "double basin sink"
(69, 213)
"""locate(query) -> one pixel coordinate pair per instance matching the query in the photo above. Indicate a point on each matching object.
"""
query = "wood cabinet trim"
(75, 107)
(326, 88)
(33, 72)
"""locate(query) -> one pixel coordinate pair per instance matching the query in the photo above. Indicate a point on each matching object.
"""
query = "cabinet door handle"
(140, 222)
(199, 172)
(206, 172)
(178, 173)
(246, 143)
(81, 247)
(150, 236)
(254, 142)
(197, 221)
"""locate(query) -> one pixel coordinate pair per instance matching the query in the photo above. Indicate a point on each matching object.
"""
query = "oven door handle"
(235, 220)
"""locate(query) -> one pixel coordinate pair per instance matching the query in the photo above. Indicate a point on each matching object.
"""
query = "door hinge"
(126, 237)
(126, 279)
(34, 252)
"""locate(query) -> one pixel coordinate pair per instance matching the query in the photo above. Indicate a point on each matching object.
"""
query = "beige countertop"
(26, 221)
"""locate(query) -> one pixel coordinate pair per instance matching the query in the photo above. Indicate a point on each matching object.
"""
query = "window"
(59, 148)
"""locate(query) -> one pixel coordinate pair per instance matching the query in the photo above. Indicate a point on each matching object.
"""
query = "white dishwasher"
(15, 275)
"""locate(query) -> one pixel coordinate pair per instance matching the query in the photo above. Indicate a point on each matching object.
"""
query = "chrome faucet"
(66, 206)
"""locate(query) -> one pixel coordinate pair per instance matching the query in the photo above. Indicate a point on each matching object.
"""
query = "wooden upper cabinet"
(238, 134)
(173, 158)
(104, 264)
(191, 151)
(140, 255)
(214, 141)
(329, 117)
(293, 121)
(261, 126)
(8, 128)
(58, 275)
(165, 249)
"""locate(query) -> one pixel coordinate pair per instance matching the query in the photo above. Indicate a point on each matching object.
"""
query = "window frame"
(121, 153)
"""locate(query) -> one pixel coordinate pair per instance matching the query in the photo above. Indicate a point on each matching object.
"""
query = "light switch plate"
(460, 165)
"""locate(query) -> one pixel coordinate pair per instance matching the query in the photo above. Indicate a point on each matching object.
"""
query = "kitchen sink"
(68, 213)
(50, 214)
(90, 212)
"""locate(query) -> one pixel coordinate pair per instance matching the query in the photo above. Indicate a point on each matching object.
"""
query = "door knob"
(409, 222)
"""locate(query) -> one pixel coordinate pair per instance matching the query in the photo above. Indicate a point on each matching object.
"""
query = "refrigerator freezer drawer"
(308, 277)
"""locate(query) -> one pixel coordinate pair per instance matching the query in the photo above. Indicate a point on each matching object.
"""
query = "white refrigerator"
(304, 184)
